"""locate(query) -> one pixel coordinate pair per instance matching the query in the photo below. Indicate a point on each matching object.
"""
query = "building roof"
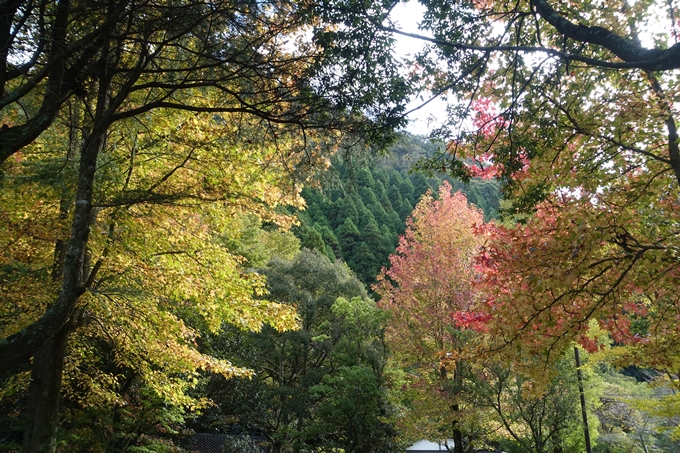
(425, 446)
(213, 443)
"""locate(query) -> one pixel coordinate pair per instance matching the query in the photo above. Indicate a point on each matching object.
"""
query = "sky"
(407, 16)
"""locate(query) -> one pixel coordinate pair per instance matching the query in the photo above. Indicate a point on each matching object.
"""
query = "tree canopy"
(55, 52)
(536, 80)
(149, 152)
(572, 106)
(361, 206)
(428, 287)
(131, 133)
(321, 385)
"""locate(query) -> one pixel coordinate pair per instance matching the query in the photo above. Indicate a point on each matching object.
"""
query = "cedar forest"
(213, 222)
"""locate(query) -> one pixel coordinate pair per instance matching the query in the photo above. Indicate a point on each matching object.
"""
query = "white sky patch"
(658, 27)
(407, 16)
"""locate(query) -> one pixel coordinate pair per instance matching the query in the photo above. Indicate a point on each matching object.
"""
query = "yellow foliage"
(166, 197)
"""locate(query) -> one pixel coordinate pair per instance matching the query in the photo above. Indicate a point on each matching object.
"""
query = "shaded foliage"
(315, 387)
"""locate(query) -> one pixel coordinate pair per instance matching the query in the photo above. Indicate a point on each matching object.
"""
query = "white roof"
(426, 445)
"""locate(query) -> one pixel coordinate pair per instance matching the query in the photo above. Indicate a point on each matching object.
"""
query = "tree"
(381, 194)
(368, 196)
(531, 421)
(600, 177)
(520, 69)
(155, 252)
(330, 239)
(171, 59)
(313, 240)
(365, 217)
(364, 261)
(353, 411)
(407, 191)
(623, 426)
(347, 211)
(395, 196)
(52, 51)
(429, 285)
(575, 261)
(348, 237)
(128, 66)
(319, 386)
(377, 244)
(405, 209)
(365, 178)
(375, 206)
(573, 107)
(420, 185)
(246, 237)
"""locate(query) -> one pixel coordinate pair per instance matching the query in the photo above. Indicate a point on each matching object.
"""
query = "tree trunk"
(457, 434)
(584, 413)
(455, 425)
(42, 408)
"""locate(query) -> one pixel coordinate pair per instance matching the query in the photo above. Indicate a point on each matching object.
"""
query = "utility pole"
(579, 375)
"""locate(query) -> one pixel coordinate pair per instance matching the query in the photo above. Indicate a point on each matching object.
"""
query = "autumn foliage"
(578, 260)
(431, 295)
(430, 284)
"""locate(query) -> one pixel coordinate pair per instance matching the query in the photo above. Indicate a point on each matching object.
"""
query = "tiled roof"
(212, 443)
(204, 443)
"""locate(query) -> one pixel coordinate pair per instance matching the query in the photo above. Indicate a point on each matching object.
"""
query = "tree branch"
(626, 49)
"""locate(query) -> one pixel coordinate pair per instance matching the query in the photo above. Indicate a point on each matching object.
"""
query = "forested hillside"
(360, 211)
